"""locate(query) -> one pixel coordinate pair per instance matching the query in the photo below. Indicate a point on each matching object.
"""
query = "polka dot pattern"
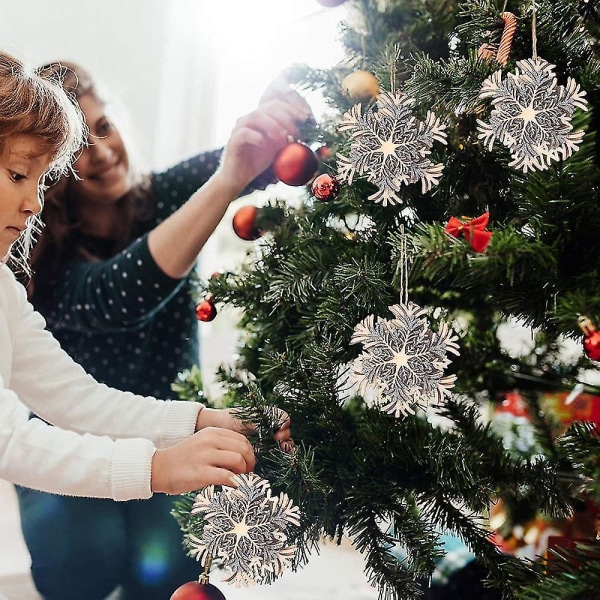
(125, 321)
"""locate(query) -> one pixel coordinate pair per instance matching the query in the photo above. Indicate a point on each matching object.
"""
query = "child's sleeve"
(58, 390)
(36, 455)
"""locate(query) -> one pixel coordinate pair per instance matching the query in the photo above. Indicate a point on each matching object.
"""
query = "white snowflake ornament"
(245, 526)
(392, 146)
(531, 115)
(403, 360)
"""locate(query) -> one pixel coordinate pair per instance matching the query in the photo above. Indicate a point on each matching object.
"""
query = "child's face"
(22, 165)
(104, 165)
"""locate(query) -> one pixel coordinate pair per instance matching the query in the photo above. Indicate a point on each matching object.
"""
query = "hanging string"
(533, 32)
(403, 267)
(204, 578)
(394, 67)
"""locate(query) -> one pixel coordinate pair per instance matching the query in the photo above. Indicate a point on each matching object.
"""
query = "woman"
(112, 277)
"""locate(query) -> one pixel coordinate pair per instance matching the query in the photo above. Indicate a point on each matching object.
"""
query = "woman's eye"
(104, 128)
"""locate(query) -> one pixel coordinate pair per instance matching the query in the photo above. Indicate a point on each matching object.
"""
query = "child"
(105, 443)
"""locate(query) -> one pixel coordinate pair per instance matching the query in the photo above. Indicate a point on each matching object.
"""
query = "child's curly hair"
(33, 102)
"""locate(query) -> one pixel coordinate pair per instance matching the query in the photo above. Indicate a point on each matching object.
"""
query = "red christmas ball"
(193, 590)
(295, 164)
(325, 187)
(206, 310)
(244, 223)
(324, 152)
(591, 345)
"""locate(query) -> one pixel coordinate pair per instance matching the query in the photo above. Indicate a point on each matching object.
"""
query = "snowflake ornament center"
(388, 148)
(240, 529)
(391, 146)
(400, 359)
(246, 527)
(403, 360)
(528, 114)
(532, 115)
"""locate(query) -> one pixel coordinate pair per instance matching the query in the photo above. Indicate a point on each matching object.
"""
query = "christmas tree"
(373, 309)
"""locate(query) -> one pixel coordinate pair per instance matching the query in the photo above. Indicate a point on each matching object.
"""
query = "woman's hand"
(259, 135)
(211, 456)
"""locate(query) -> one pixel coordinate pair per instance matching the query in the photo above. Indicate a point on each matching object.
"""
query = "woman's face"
(103, 165)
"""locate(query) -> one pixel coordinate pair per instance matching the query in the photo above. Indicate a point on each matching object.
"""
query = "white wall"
(184, 69)
(120, 41)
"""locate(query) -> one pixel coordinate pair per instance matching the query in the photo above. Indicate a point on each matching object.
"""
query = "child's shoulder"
(10, 288)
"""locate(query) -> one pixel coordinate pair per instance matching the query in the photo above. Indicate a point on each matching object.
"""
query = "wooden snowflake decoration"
(246, 528)
(392, 146)
(403, 360)
(532, 115)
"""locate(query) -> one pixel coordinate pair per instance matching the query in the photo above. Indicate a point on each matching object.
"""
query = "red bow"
(473, 230)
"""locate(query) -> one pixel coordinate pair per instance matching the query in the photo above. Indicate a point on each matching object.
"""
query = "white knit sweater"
(103, 440)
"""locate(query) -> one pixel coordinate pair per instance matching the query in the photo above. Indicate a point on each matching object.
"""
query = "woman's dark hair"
(61, 238)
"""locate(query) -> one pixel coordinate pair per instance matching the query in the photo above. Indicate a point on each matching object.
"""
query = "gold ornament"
(361, 86)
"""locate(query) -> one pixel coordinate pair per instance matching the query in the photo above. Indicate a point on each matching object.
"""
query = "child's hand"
(227, 419)
(211, 456)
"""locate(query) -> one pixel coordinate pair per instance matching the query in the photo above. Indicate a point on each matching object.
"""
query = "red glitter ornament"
(206, 310)
(193, 590)
(325, 187)
(244, 223)
(295, 164)
(591, 341)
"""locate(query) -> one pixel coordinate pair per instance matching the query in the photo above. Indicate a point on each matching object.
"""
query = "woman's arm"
(254, 142)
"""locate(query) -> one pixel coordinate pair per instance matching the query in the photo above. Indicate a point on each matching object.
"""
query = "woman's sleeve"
(117, 294)
(174, 186)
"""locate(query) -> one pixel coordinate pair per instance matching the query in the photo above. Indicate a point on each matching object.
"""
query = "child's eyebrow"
(27, 155)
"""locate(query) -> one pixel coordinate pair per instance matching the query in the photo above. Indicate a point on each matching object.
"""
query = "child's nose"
(31, 202)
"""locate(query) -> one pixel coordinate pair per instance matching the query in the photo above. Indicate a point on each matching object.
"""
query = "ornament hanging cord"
(403, 267)
(393, 68)
(533, 32)
(204, 578)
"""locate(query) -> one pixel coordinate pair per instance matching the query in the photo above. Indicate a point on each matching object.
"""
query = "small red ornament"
(324, 152)
(591, 341)
(193, 590)
(244, 223)
(206, 310)
(325, 187)
(295, 164)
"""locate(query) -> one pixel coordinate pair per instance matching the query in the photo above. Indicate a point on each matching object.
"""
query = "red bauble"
(206, 310)
(244, 223)
(591, 341)
(591, 345)
(295, 164)
(193, 590)
(330, 3)
(325, 187)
